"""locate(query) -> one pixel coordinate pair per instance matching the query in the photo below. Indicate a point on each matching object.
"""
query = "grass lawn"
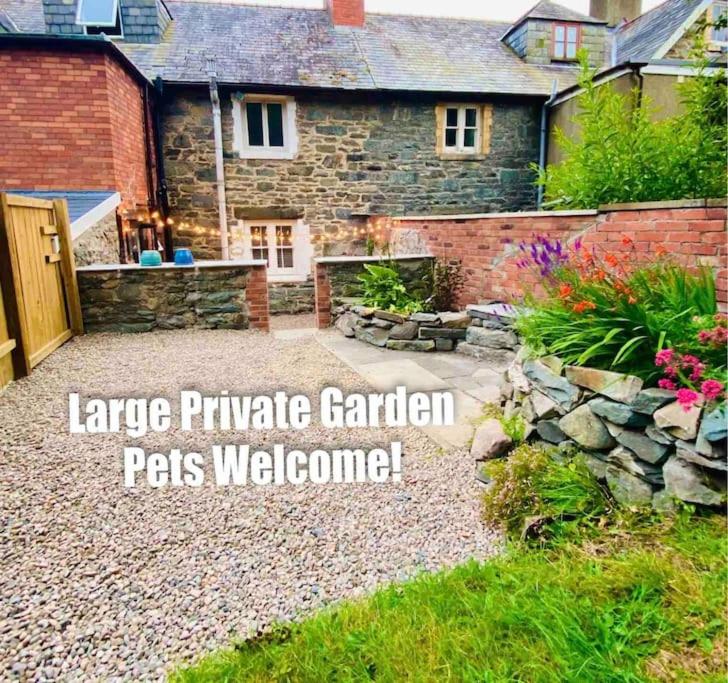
(629, 604)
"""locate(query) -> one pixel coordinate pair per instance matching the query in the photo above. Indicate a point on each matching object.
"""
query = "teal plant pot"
(150, 258)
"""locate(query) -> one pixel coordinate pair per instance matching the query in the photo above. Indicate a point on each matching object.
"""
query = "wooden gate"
(37, 282)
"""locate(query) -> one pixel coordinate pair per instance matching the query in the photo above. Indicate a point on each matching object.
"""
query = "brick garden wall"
(357, 156)
(487, 245)
(70, 121)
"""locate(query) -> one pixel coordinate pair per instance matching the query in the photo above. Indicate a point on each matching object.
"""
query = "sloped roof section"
(555, 12)
(26, 15)
(300, 48)
(85, 207)
(642, 38)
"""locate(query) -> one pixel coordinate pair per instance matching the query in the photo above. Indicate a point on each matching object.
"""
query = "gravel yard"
(103, 582)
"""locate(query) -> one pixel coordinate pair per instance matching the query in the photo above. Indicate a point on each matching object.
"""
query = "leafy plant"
(609, 312)
(623, 155)
(529, 483)
(514, 427)
(446, 281)
(384, 289)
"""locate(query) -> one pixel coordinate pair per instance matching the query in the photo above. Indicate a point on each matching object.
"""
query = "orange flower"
(627, 241)
(583, 306)
(612, 260)
(565, 291)
(631, 300)
(660, 250)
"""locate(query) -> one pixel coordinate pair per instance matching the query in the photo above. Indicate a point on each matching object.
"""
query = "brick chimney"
(613, 11)
(346, 12)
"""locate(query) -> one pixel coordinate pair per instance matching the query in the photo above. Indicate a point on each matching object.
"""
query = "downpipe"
(542, 147)
(219, 167)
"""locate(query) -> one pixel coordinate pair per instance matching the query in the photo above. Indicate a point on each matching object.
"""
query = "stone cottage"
(286, 132)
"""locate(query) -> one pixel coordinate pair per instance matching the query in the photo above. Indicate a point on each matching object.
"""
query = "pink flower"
(687, 398)
(667, 384)
(664, 357)
(704, 336)
(688, 360)
(697, 372)
(711, 389)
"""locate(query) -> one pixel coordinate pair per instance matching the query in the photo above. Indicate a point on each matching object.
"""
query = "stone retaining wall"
(98, 244)
(291, 297)
(692, 231)
(336, 280)
(129, 298)
(641, 442)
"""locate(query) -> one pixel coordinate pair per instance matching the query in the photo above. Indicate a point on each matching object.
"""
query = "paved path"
(471, 381)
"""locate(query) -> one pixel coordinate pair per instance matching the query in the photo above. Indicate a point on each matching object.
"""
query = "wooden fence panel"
(6, 347)
(37, 274)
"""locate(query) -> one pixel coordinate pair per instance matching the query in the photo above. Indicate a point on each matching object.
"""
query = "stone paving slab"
(470, 380)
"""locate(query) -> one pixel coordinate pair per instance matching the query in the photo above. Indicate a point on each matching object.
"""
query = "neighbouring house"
(285, 133)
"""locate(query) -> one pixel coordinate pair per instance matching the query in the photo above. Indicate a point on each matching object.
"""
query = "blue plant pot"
(183, 257)
(150, 258)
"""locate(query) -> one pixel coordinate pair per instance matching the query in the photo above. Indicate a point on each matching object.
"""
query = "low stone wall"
(218, 294)
(640, 442)
(692, 231)
(336, 279)
(291, 297)
(483, 332)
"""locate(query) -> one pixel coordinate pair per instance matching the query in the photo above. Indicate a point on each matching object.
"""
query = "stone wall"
(336, 280)
(356, 156)
(639, 441)
(98, 244)
(129, 298)
(291, 297)
(692, 231)
(533, 41)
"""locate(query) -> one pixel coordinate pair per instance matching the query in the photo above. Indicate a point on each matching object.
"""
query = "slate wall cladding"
(144, 299)
(355, 156)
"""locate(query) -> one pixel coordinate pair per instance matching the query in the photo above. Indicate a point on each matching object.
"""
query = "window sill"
(461, 156)
(262, 153)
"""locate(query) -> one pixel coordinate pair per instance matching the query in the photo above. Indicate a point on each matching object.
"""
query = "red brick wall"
(322, 287)
(346, 12)
(70, 121)
(256, 293)
(488, 246)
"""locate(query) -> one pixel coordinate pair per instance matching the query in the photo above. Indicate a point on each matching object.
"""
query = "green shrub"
(623, 155)
(383, 289)
(531, 484)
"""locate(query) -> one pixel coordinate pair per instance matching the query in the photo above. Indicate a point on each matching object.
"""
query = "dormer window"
(566, 41)
(100, 16)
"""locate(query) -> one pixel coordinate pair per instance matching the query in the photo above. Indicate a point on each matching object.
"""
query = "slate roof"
(554, 12)
(80, 202)
(640, 39)
(299, 47)
(26, 15)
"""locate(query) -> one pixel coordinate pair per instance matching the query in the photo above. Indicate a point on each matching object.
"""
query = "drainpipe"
(162, 199)
(544, 137)
(219, 168)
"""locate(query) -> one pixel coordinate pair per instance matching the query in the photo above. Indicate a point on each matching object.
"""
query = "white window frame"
(460, 147)
(565, 43)
(116, 14)
(240, 128)
(242, 247)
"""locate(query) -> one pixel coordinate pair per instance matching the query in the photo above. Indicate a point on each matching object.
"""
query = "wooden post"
(12, 291)
(68, 266)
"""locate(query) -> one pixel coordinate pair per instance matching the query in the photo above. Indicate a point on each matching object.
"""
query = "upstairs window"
(463, 130)
(264, 127)
(718, 35)
(566, 41)
(100, 16)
